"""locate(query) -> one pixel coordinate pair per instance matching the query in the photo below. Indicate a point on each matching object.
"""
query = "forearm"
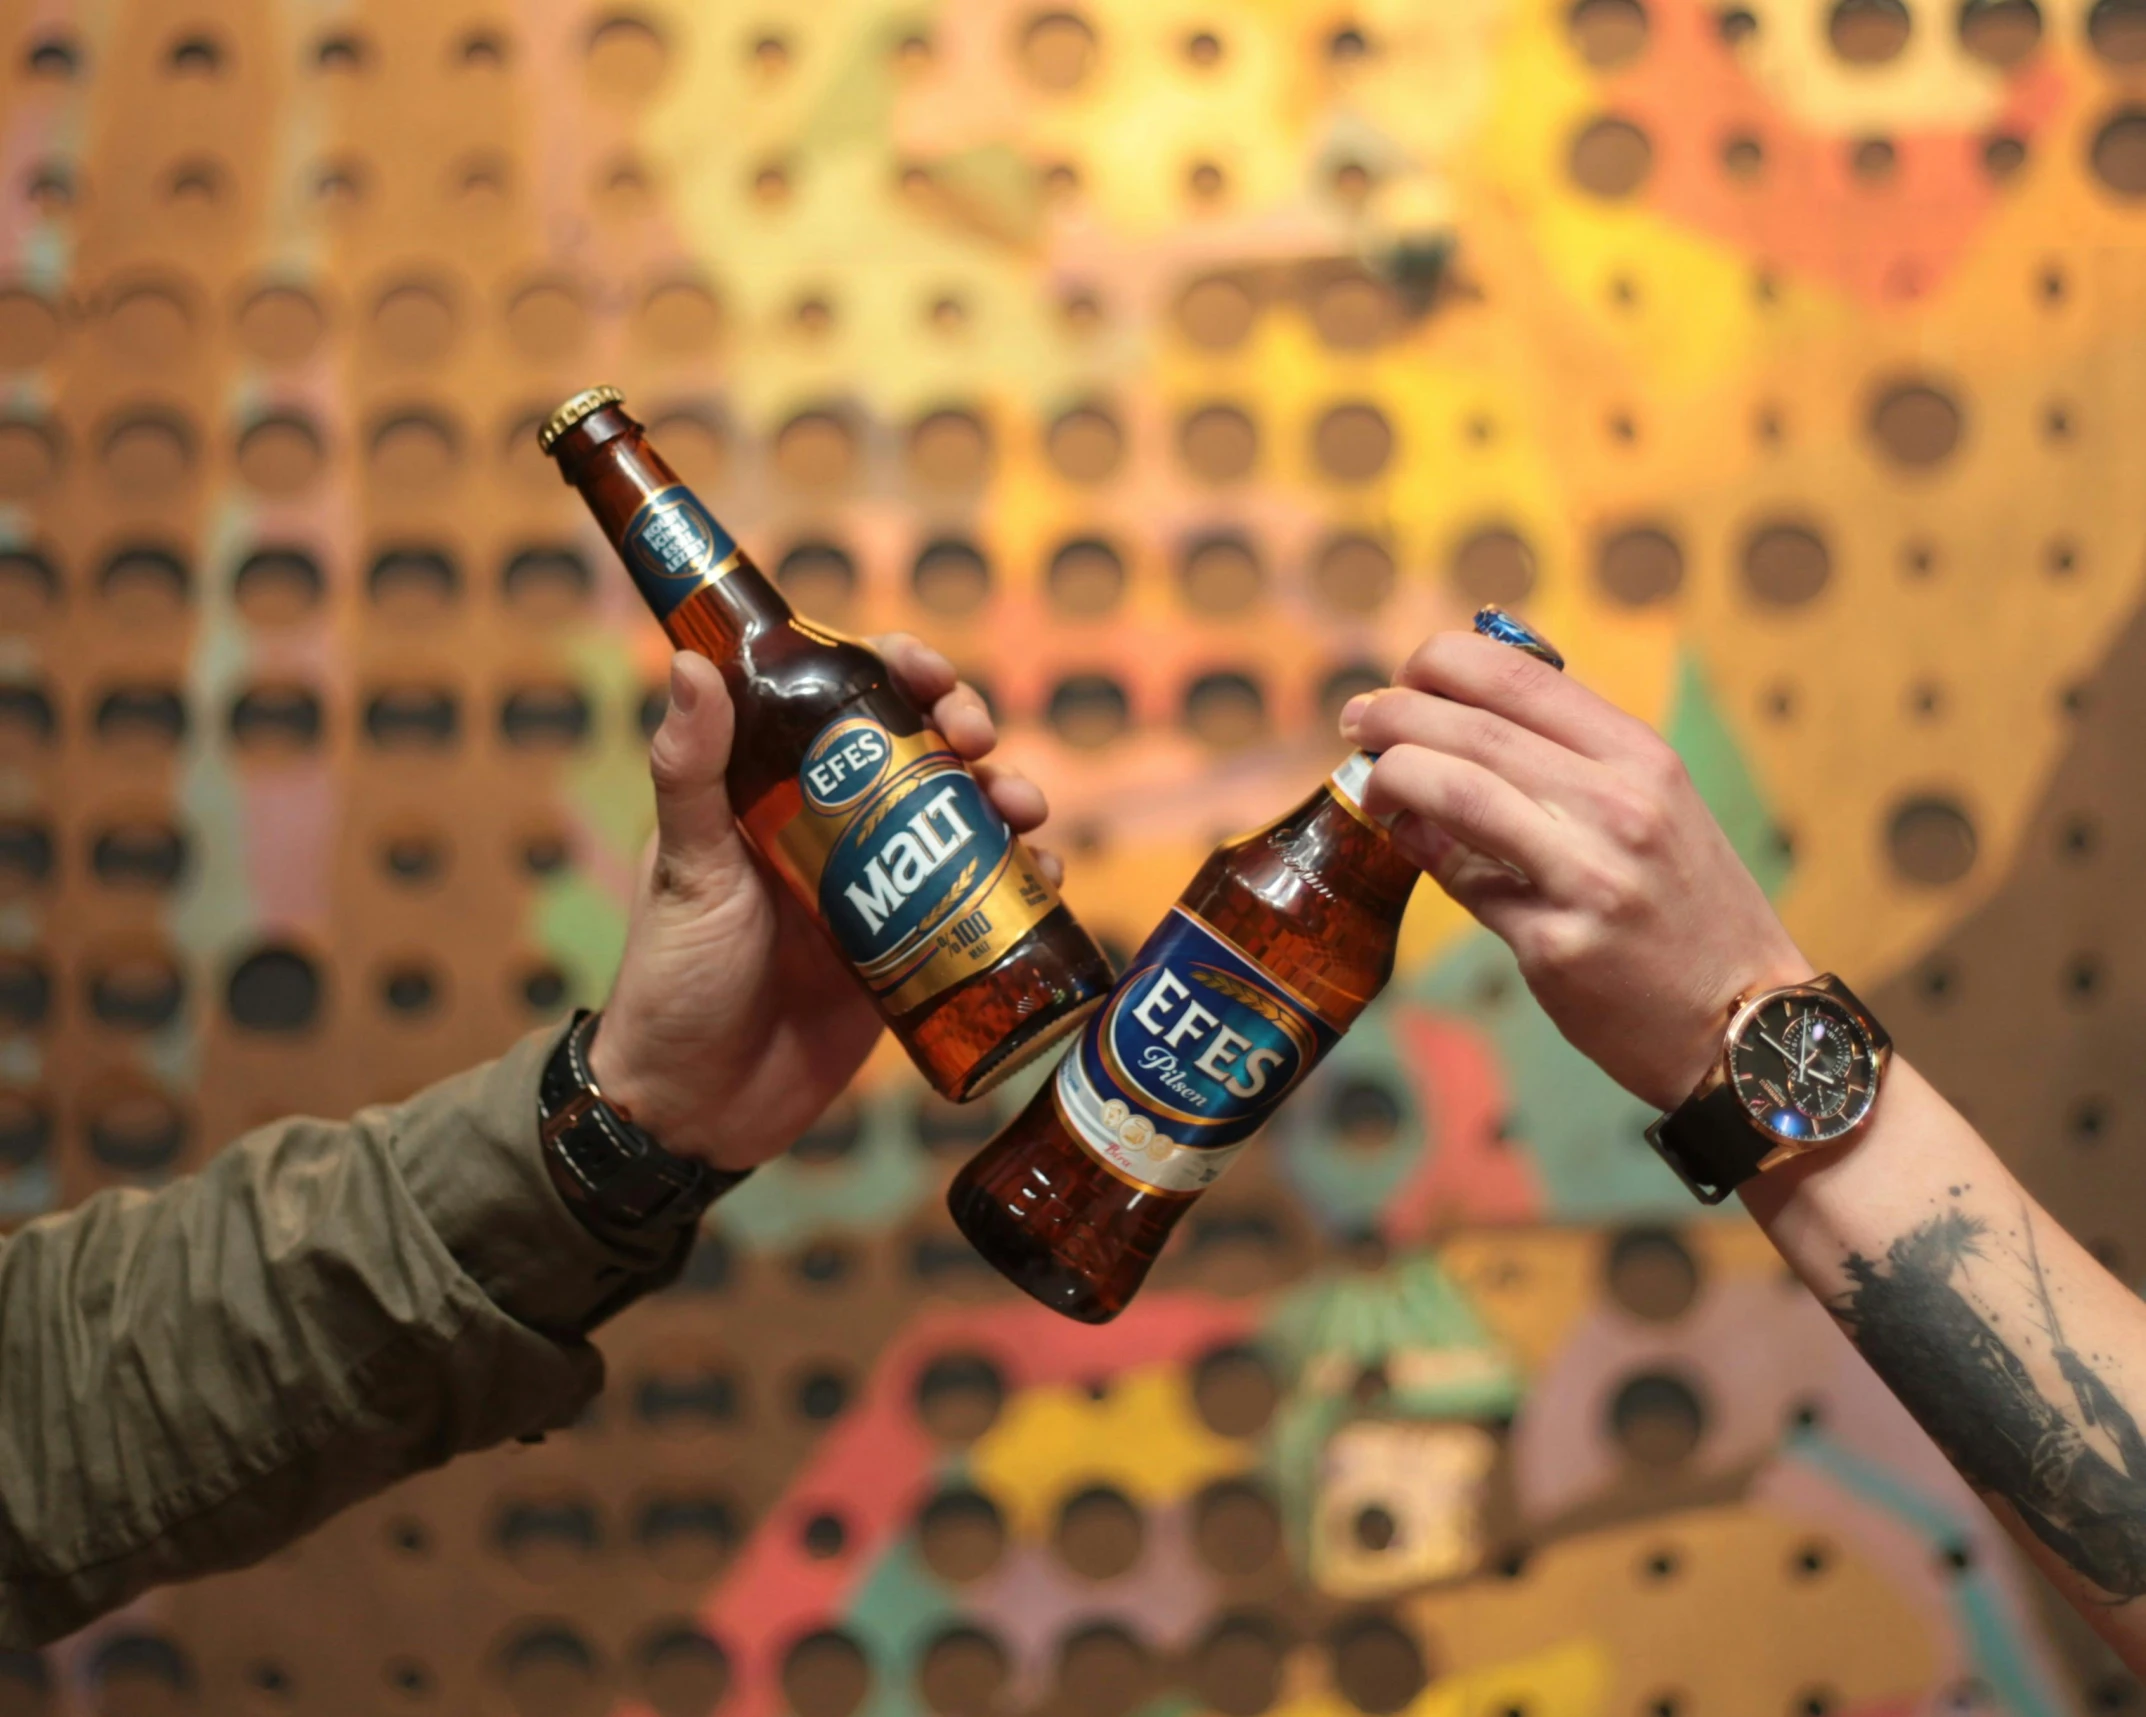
(192, 1379)
(2023, 1359)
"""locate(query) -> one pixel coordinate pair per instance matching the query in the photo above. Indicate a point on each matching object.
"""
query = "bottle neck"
(700, 584)
(1336, 834)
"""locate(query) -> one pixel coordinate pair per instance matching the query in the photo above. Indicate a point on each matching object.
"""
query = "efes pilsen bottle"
(1282, 939)
(843, 786)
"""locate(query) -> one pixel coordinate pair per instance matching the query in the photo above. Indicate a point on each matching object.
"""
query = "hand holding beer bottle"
(847, 792)
(1280, 942)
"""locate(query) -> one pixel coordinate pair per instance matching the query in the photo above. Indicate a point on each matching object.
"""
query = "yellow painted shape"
(1851, 1631)
(1532, 1286)
(1933, 83)
(1568, 1679)
(1144, 1438)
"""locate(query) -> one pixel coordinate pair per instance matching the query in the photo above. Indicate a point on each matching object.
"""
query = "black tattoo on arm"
(1975, 1395)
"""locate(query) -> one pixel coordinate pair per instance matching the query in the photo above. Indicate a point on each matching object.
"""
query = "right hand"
(1574, 832)
(733, 1022)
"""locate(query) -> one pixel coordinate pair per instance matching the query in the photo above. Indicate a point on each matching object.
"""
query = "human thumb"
(696, 831)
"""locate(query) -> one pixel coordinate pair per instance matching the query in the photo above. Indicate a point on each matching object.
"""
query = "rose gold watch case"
(1746, 1008)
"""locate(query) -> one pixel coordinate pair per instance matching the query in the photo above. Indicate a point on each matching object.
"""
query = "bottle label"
(1194, 1049)
(1347, 785)
(914, 871)
(672, 546)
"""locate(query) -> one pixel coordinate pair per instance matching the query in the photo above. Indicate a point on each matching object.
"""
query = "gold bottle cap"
(585, 402)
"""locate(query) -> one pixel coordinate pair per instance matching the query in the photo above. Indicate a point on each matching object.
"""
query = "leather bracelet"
(615, 1176)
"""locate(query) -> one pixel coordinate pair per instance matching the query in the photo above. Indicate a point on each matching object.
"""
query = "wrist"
(624, 1076)
(1701, 1045)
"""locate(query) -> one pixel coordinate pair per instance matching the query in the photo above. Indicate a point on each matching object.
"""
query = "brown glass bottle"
(1282, 939)
(843, 786)
(1268, 957)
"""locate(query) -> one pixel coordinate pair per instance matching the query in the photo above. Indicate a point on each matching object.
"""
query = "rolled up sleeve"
(192, 1378)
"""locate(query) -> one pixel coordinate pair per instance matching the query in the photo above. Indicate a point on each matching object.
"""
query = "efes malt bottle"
(1283, 938)
(875, 824)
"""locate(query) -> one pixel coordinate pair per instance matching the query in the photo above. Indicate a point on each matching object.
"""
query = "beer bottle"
(844, 788)
(1282, 939)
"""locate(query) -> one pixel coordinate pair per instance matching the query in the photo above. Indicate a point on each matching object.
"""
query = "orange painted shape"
(1806, 212)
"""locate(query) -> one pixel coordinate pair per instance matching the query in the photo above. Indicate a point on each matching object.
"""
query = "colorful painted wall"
(1172, 365)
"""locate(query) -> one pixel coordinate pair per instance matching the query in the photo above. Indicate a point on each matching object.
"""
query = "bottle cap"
(1503, 628)
(588, 400)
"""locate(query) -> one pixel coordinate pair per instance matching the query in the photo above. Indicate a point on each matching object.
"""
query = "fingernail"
(684, 693)
(1352, 713)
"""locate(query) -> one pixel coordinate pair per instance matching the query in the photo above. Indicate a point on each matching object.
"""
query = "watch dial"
(1804, 1068)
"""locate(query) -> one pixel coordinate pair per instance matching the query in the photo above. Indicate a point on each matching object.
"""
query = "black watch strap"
(613, 1174)
(1712, 1143)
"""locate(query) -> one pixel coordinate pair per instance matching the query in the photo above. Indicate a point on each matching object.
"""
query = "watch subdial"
(1821, 1062)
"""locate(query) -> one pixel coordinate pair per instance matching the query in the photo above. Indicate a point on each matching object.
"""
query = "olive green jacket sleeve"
(190, 1379)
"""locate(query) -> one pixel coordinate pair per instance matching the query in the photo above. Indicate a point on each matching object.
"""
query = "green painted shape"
(1365, 1317)
(1702, 738)
(576, 920)
(1411, 1306)
(583, 928)
(1584, 1132)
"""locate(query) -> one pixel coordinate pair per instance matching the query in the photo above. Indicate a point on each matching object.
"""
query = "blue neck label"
(673, 546)
(1195, 1048)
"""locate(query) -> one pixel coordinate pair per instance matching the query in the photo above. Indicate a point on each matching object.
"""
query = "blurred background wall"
(1174, 365)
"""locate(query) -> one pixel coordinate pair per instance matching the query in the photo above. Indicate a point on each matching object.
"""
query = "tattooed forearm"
(1926, 1319)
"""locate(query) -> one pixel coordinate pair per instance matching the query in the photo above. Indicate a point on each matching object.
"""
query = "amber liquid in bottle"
(1009, 970)
(1314, 902)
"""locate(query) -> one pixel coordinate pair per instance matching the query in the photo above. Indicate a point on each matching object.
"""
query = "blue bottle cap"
(1494, 623)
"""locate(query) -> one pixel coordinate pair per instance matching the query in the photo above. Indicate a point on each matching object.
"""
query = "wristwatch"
(613, 1174)
(1800, 1069)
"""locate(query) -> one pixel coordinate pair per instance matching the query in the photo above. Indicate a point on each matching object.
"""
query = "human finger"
(965, 719)
(696, 840)
(1378, 721)
(1529, 693)
(1019, 800)
(1474, 806)
(922, 672)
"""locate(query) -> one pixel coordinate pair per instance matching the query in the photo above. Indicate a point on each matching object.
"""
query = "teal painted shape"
(1987, 1626)
(1347, 1185)
(1584, 1132)
(895, 1614)
(883, 1178)
(27, 1192)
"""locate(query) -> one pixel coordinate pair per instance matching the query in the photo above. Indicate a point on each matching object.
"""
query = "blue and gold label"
(672, 546)
(1193, 1050)
(910, 866)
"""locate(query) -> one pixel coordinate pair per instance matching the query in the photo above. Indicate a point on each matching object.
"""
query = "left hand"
(1573, 831)
(733, 1022)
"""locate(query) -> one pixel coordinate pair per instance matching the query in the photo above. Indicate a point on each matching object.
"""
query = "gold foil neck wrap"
(573, 411)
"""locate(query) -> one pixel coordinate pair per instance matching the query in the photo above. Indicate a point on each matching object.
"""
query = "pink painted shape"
(1807, 211)
(1467, 1171)
(291, 817)
(1032, 1600)
(878, 1464)
(1751, 1348)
